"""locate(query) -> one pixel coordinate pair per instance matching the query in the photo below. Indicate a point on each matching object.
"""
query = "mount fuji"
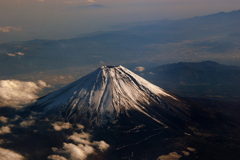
(110, 94)
(136, 119)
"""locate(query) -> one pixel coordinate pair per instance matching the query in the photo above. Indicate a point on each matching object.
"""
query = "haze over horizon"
(23, 20)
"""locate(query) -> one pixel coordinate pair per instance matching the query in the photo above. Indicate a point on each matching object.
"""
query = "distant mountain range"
(205, 79)
(212, 37)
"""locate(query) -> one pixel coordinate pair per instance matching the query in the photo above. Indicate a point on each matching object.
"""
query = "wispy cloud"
(16, 93)
(9, 29)
(15, 54)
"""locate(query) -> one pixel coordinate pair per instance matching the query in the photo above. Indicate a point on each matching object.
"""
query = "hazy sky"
(55, 19)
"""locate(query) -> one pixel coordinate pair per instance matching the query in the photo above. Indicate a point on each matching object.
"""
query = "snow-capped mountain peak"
(105, 94)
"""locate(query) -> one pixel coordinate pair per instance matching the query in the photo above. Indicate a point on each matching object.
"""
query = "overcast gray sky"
(56, 19)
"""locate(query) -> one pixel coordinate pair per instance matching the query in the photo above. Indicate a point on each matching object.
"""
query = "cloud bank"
(16, 93)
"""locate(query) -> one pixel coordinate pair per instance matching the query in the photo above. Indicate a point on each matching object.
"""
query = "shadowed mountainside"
(206, 79)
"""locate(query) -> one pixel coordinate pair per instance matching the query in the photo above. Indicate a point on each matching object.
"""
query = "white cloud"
(102, 146)
(6, 154)
(80, 126)
(56, 157)
(191, 149)
(43, 84)
(27, 123)
(58, 126)
(9, 29)
(11, 54)
(5, 129)
(84, 138)
(79, 149)
(140, 69)
(15, 54)
(170, 156)
(76, 152)
(186, 153)
(3, 119)
(16, 93)
(80, 138)
(20, 53)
